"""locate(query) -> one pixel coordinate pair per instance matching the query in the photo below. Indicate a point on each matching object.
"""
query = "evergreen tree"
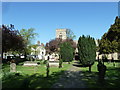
(66, 52)
(87, 51)
(111, 39)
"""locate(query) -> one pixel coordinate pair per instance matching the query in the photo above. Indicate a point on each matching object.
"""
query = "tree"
(54, 44)
(11, 39)
(66, 52)
(87, 50)
(110, 40)
(119, 46)
(47, 48)
(35, 49)
(73, 44)
(114, 31)
(60, 63)
(70, 34)
(28, 35)
(104, 46)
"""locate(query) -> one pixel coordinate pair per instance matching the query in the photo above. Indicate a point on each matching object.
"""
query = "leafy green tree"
(35, 49)
(66, 52)
(87, 50)
(28, 35)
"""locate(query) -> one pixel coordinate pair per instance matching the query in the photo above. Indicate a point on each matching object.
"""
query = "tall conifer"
(87, 50)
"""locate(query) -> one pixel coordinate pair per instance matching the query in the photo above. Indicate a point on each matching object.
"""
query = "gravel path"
(70, 79)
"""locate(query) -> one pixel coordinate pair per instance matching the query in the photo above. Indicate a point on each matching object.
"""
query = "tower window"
(60, 36)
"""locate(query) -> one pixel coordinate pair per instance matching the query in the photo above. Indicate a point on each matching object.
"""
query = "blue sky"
(88, 18)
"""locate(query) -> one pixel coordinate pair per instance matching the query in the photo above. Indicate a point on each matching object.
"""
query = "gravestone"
(12, 67)
(52, 59)
(22, 56)
(54, 63)
(30, 63)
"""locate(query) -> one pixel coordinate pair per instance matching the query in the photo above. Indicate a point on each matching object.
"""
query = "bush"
(7, 75)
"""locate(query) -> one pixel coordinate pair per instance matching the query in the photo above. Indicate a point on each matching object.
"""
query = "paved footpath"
(70, 79)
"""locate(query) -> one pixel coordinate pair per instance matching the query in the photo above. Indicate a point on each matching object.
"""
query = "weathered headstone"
(12, 67)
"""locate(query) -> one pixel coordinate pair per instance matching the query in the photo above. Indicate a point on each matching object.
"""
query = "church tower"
(61, 33)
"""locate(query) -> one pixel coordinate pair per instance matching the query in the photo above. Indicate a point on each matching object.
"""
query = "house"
(39, 51)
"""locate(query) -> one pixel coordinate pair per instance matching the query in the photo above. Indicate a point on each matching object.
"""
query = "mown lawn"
(32, 77)
(112, 76)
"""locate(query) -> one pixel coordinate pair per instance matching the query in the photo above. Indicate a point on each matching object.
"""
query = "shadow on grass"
(34, 81)
(78, 64)
(111, 80)
(91, 80)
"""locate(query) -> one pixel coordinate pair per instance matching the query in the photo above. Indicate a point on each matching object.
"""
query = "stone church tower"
(61, 33)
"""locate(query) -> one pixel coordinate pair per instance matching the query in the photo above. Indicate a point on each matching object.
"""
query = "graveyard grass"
(37, 79)
(32, 77)
(112, 76)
